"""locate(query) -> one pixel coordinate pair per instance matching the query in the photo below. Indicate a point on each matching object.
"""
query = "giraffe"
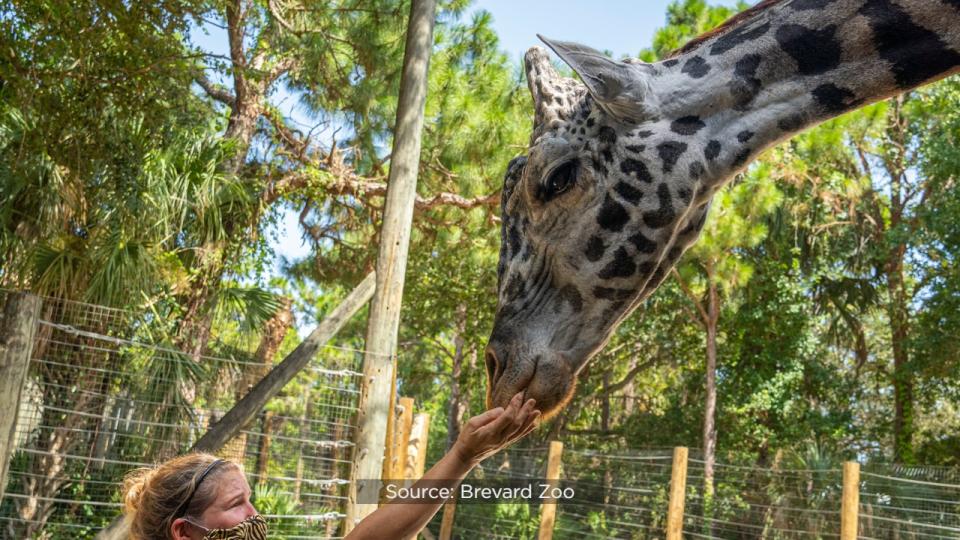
(622, 164)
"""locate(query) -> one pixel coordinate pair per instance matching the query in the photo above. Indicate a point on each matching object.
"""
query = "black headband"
(182, 509)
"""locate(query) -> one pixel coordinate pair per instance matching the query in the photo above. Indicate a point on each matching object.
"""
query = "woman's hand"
(488, 433)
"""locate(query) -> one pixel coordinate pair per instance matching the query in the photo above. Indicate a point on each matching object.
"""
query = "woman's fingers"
(524, 420)
(485, 418)
(504, 420)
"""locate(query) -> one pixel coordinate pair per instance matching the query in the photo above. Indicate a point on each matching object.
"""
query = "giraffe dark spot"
(712, 150)
(664, 215)
(657, 277)
(636, 148)
(670, 63)
(670, 152)
(834, 99)
(595, 249)
(607, 155)
(791, 122)
(607, 135)
(744, 135)
(737, 36)
(687, 125)
(527, 253)
(582, 131)
(674, 253)
(628, 192)
(516, 287)
(612, 215)
(696, 67)
(647, 267)
(814, 51)
(611, 313)
(572, 297)
(609, 293)
(558, 100)
(513, 235)
(684, 194)
(621, 266)
(643, 244)
(745, 84)
(599, 166)
(803, 5)
(696, 169)
(917, 54)
(590, 122)
(637, 169)
(643, 133)
(741, 157)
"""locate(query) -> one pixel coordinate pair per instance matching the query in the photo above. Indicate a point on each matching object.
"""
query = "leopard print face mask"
(252, 528)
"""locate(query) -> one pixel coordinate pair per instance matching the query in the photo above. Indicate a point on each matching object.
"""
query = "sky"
(619, 26)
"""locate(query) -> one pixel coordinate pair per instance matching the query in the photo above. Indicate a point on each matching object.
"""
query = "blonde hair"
(152, 496)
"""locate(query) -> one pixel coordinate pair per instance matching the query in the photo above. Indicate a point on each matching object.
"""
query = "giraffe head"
(592, 218)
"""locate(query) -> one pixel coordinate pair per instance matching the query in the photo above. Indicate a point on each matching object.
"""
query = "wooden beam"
(548, 506)
(850, 503)
(678, 491)
(384, 321)
(17, 330)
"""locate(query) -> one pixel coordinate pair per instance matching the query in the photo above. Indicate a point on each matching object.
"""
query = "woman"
(200, 497)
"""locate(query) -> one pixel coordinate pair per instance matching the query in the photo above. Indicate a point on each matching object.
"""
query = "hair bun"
(133, 488)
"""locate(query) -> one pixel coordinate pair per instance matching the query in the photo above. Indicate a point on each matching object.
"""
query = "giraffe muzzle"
(547, 378)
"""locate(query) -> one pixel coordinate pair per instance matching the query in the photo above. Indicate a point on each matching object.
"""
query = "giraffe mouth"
(545, 378)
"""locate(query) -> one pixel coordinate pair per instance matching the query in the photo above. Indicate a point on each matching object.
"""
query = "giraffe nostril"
(492, 372)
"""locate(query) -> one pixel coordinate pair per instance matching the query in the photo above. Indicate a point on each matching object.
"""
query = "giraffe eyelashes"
(558, 181)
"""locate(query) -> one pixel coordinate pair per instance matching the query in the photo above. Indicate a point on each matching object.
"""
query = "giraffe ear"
(622, 88)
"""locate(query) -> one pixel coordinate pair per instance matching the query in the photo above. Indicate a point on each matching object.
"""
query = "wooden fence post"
(548, 506)
(384, 319)
(404, 427)
(446, 524)
(17, 330)
(678, 490)
(850, 502)
(416, 457)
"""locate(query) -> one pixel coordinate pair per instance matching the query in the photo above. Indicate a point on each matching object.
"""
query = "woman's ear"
(180, 529)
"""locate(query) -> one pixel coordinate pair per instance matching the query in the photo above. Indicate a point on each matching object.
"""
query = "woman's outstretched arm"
(481, 437)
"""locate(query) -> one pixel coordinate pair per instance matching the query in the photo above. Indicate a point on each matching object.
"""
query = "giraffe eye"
(559, 181)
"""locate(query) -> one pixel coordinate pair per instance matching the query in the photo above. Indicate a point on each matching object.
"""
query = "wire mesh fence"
(627, 496)
(102, 398)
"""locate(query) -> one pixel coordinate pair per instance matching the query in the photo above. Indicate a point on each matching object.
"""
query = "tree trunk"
(455, 405)
(903, 425)
(710, 406)
(273, 333)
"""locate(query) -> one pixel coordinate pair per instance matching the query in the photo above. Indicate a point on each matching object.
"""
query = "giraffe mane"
(725, 27)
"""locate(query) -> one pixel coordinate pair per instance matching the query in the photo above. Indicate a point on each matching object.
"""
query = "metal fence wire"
(103, 397)
(100, 400)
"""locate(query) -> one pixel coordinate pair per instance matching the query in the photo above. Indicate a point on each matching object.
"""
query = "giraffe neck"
(788, 65)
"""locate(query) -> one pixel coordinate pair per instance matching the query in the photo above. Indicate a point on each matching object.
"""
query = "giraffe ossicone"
(623, 163)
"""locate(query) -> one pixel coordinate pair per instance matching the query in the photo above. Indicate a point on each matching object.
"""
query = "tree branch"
(215, 91)
(689, 294)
